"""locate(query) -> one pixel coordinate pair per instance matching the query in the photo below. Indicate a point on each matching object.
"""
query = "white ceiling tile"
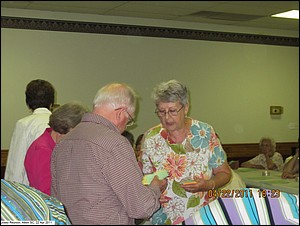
(174, 10)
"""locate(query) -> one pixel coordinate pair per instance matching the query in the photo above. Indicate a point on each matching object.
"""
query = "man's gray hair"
(117, 94)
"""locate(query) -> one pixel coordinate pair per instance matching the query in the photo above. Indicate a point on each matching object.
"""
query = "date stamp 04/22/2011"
(243, 193)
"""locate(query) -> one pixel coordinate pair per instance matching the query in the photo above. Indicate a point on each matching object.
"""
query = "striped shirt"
(251, 207)
(19, 202)
(96, 176)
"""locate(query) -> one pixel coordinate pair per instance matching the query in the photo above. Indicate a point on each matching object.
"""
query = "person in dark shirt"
(129, 136)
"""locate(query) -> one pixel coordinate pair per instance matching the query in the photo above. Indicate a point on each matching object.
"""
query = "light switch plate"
(276, 110)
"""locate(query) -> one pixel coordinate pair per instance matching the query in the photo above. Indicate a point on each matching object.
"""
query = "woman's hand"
(198, 185)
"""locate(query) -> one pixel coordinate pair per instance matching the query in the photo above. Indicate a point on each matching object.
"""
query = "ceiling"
(255, 14)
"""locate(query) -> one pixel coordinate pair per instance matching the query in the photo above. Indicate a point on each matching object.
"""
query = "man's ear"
(118, 114)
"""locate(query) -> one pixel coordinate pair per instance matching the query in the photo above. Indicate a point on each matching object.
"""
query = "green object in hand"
(161, 174)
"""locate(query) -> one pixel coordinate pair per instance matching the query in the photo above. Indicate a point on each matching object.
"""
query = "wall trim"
(233, 151)
(148, 31)
(246, 151)
(4, 155)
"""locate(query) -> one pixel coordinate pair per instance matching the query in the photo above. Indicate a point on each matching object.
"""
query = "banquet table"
(255, 178)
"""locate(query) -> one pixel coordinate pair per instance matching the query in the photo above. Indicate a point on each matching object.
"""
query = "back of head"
(171, 91)
(139, 141)
(129, 136)
(116, 94)
(67, 117)
(39, 93)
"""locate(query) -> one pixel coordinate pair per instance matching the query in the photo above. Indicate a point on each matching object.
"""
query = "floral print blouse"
(197, 155)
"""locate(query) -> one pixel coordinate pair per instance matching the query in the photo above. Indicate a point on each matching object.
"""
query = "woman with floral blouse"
(187, 149)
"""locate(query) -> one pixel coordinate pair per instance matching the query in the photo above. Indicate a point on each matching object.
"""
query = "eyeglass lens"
(170, 112)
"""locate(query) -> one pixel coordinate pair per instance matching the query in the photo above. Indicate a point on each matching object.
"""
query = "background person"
(138, 147)
(94, 170)
(268, 159)
(129, 136)
(186, 148)
(137, 151)
(291, 168)
(38, 157)
(39, 99)
(236, 181)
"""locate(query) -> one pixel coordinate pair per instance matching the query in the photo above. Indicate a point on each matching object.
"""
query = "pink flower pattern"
(175, 165)
(161, 153)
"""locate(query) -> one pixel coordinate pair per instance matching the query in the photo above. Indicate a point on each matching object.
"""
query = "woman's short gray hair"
(67, 116)
(171, 91)
(117, 94)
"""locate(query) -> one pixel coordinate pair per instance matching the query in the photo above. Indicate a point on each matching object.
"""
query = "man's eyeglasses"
(130, 121)
(171, 112)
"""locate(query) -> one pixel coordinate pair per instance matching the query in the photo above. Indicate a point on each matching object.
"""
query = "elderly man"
(94, 170)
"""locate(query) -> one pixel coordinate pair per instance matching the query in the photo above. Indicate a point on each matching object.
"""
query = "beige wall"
(232, 84)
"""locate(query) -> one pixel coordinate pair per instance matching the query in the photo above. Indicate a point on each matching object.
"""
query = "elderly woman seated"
(291, 167)
(268, 159)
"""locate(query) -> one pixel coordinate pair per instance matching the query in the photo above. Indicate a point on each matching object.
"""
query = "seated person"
(294, 149)
(236, 182)
(291, 168)
(20, 202)
(269, 159)
(234, 164)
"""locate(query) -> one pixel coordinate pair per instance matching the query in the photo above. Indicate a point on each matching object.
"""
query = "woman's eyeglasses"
(171, 112)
